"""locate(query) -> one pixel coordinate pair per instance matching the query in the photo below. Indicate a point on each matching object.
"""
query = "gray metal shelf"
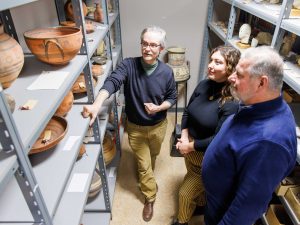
(51, 168)
(264, 10)
(82, 97)
(5, 4)
(264, 220)
(96, 218)
(71, 206)
(292, 76)
(30, 123)
(217, 31)
(52, 171)
(292, 25)
(8, 166)
(96, 204)
(94, 38)
(116, 52)
(112, 18)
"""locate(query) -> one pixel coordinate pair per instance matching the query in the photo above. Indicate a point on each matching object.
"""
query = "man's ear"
(264, 81)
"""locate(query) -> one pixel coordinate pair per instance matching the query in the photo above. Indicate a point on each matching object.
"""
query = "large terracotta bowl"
(58, 127)
(54, 45)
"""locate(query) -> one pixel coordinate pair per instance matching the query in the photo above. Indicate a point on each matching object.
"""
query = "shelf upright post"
(279, 33)
(60, 10)
(8, 24)
(80, 22)
(107, 37)
(118, 30)
(116, 123)
(97, 136)
(231, 23)
(205, 52)
(24, 174)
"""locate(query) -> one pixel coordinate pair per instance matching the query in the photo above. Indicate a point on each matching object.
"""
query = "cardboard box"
(293, 198)
(276, 215)
(282, 188)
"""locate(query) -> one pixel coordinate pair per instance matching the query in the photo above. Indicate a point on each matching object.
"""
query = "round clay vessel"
(58, 127)
(97, 70)
(176, 56)
(54, 45)
(68, 23)
(109, 148)
(11, 59)
(69, 10)
(98, 13)
(79, 85)
(11, 102)
(66, 105)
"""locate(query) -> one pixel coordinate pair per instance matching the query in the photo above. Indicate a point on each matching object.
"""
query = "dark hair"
(231, 56)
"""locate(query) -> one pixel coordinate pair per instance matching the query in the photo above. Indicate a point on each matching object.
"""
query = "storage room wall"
(183, 20)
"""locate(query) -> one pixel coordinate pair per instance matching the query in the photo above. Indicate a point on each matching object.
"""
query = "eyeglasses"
(151, 45)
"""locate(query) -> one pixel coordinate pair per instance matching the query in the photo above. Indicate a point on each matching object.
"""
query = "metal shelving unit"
(43, 188)
(278, 15)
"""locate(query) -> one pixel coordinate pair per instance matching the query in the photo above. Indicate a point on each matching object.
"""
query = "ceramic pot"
(181, 73)
(176, 56)
(11, 59)
(54, 45)
(11, 102)
(79, 85)
(69, 10)
(81, 152)
(65, 105)
(58, 127)
(98, 14)
(89, 26)
(97, 70)
(109, 148)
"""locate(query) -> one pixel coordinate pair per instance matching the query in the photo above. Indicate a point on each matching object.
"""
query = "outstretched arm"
(92, 110)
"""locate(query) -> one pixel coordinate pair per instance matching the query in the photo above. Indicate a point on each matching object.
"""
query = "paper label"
(112, 172)
(49, 80)
(78, 182)
(70, 143)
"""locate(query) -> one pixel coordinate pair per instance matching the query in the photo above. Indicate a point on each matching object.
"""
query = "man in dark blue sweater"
(255, 148)
(149, 89)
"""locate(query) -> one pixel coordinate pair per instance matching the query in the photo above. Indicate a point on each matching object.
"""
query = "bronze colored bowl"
(79, 85)
(58, 127)
(54, 45)
(66, 105)
(89, 26)
(109, 148)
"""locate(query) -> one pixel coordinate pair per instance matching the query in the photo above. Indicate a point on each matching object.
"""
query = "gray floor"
(128, 202)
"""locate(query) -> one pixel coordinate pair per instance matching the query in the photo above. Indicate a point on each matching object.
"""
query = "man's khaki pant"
(145, 142)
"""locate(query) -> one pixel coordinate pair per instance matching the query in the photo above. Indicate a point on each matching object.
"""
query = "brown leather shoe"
(148, 211)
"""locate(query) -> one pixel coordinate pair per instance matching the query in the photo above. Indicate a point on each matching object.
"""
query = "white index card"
(112, 172)
(70, 143)
(49, 80)
(78, 182)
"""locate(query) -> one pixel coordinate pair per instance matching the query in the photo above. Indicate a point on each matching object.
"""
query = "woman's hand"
(184, 146)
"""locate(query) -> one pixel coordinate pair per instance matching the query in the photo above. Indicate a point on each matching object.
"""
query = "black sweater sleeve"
(228, 108)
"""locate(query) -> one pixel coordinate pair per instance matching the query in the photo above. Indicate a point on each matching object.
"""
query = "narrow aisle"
(128, 202)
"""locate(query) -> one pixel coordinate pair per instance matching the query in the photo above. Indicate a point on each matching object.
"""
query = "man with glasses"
(150, 90)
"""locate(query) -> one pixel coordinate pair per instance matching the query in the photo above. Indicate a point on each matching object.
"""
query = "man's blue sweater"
(140, 88)
(253, 151)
